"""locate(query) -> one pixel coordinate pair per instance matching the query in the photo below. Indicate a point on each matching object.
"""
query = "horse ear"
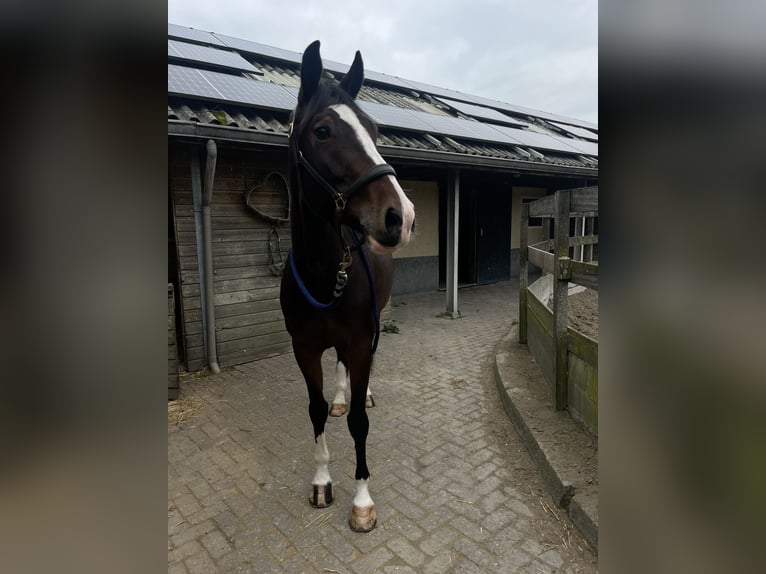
(311, 72)
(352, 81)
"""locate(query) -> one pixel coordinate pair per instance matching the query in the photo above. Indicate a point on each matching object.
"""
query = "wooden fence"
(568, 259)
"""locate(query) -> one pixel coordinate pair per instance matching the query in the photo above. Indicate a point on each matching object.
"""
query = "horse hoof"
(337, 409)
(321, 495)
(369, 402)
(363, 519)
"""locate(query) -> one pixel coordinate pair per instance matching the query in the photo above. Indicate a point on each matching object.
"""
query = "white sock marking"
(322, 458)
(362, 498)
(341, 382)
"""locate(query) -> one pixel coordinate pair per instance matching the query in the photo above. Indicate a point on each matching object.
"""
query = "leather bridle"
(339, 198)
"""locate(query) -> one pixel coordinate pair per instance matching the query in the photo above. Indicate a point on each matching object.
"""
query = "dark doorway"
(493, 235)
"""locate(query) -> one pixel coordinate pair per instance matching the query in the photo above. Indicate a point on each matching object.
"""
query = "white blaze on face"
(346, 114)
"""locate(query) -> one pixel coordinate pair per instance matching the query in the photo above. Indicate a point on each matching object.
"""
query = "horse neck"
(317, 245)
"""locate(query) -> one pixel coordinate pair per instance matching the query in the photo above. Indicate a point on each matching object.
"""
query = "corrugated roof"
(380, 89)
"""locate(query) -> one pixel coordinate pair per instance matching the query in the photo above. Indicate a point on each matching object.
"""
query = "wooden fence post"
(523, 277)
(560, 286)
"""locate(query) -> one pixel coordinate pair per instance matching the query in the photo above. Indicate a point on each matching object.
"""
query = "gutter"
(193, 130)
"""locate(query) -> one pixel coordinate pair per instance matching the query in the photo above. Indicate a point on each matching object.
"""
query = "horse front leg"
(363, 517)
(311, 366)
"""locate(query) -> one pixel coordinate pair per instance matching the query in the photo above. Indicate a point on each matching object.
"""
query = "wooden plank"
(253, 343)
(542, 259)
(186, 223)
(246, 332)
(584, 274)
(236, 321)
(584, 201)
(216, 210)
(239, 234)
(584, 347)
(227, 248)
(243, 296)
(560, 287)
(543, 207)
(231, 285)
(583, 240)
(540, 343)
(236, 309)
(227, 273)
(542, 312)
(247, 355)
(523, 273)
(546, 245)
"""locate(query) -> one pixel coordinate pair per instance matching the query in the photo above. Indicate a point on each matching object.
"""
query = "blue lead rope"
(302, 286)
(334, 303)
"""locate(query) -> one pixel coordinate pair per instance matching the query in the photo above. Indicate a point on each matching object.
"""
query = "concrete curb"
(565, 453)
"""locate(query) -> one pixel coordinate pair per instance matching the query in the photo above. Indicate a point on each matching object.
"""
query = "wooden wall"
(173, 378)
(249, 322)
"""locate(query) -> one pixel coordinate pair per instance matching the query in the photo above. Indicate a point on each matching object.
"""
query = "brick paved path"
(454, 489)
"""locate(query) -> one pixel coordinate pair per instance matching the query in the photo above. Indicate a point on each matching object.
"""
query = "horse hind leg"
(338, 407)
(341, 382)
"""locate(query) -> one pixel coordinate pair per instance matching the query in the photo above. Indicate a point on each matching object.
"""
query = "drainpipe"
(196, 179)
(207, 246)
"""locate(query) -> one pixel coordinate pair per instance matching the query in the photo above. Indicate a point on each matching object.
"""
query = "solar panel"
(251, 92)
(538, 140)
(461, 128)
(528, 111)
(228, 88)
(583, 133)
(587, 148)
(435, 90)
(176, 31)
(260, 49)
(394, 117)
(213, 56)
(482, 112)
(190, 82)
(386, 79)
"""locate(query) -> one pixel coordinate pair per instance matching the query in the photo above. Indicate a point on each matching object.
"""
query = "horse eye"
(322, 132)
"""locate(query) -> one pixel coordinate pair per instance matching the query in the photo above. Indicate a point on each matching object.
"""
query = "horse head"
(333, 140)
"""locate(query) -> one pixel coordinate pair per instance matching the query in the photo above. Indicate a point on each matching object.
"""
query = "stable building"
(467, 163)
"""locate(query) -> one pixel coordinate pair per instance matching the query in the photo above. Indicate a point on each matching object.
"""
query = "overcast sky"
(543, 55)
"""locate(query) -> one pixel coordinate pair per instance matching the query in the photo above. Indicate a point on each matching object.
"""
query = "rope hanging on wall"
(271, 202)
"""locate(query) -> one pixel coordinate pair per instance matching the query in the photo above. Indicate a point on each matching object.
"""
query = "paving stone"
(454, 487)
(201, 563)
(406, 552)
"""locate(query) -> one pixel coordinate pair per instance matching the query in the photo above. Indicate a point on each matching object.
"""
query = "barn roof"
(237, 90)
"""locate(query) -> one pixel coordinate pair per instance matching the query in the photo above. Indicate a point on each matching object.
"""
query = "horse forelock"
(327, 94)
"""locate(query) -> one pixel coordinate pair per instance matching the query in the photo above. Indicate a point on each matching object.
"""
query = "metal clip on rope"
(341, 278)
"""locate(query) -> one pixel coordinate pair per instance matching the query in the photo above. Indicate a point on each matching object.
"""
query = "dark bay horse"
(348, 213)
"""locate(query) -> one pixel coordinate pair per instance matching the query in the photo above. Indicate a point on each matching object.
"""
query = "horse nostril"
(393, 222)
